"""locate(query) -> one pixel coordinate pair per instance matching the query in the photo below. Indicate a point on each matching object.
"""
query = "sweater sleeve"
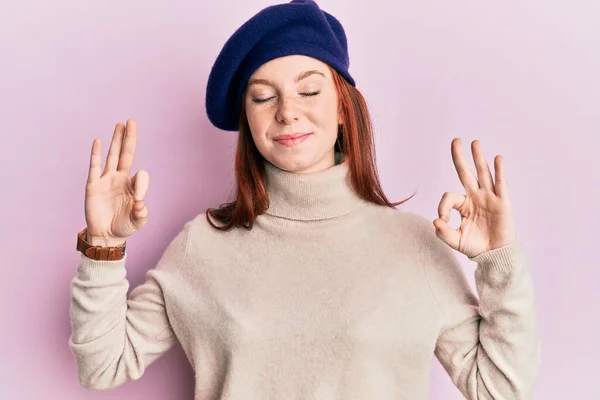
(115, 336)
(489, 346)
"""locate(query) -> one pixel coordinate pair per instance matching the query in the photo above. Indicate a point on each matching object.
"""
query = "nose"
(287, 111)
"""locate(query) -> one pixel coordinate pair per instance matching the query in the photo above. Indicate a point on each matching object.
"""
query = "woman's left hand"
(487, 221)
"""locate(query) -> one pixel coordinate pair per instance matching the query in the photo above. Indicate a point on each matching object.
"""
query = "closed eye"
(310, 94)
(301, 94)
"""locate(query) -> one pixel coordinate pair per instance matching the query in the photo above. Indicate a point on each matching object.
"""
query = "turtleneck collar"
(314, 196)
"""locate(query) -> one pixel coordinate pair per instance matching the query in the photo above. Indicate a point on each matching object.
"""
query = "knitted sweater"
(327, 297)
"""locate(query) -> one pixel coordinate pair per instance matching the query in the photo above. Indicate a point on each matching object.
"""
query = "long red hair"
(355, 141)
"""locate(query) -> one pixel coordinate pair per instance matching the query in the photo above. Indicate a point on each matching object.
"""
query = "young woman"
(310, 284)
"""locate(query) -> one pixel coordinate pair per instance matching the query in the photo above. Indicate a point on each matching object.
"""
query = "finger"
(447, 234)
(112, 159)
(95, 170)
(464, 171)
(140, 182)
(128, 148)
(484, 174)
(449, 202)
(140, 213)
(500, 187)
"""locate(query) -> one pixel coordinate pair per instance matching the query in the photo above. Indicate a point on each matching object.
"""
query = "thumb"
(140, 182)
(139, 213)
(446, 233)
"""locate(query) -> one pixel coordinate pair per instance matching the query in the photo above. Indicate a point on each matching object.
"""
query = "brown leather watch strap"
(100, 253)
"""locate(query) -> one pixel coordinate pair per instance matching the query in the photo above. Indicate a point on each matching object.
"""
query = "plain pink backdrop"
(522, 76)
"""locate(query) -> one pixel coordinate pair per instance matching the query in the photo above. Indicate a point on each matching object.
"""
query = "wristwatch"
(100, 253)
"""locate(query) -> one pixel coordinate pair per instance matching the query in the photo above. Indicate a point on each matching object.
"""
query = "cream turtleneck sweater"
(327, 297)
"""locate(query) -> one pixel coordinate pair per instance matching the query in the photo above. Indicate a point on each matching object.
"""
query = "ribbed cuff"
(501, 259)
(96, 270)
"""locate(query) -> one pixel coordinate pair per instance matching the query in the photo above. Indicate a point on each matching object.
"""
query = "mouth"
(291, 140)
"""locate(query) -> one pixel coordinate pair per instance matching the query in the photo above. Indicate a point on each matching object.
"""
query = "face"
(292, 110)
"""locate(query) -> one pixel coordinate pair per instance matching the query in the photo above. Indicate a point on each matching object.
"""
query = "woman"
(310, 284)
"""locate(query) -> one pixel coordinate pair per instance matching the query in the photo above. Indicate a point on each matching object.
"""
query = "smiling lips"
(291, 140)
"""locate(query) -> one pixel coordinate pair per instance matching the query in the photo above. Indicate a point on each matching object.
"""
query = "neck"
(319, 195)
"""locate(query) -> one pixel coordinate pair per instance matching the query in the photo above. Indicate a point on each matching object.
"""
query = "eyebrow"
(303, 75)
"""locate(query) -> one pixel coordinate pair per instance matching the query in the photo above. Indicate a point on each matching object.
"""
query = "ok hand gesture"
(487, 221)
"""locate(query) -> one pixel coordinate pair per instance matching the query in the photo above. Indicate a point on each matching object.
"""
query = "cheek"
(326, 113)
(258, 126)
(253, 120)
(256, 117)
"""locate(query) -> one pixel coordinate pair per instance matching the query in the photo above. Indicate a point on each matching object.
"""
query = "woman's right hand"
(114, 202)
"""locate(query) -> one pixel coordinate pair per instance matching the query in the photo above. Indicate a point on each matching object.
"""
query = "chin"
(298, 163)
(291, 163)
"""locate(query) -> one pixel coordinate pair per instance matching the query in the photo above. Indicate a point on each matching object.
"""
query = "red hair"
(355, 141)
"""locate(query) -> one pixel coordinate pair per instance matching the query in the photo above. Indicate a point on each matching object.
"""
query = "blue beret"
(297, 27)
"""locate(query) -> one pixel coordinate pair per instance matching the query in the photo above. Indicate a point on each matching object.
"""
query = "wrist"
(104, 241)
(100, 248)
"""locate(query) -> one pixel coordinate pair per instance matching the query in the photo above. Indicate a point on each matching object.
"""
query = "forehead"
(289, 67)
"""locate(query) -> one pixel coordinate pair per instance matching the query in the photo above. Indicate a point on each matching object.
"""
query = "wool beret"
(297, 27)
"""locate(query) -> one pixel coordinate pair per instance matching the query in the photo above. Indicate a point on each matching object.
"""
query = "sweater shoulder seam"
(428, 244)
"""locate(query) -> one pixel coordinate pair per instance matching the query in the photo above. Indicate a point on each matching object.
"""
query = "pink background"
(522, 76)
